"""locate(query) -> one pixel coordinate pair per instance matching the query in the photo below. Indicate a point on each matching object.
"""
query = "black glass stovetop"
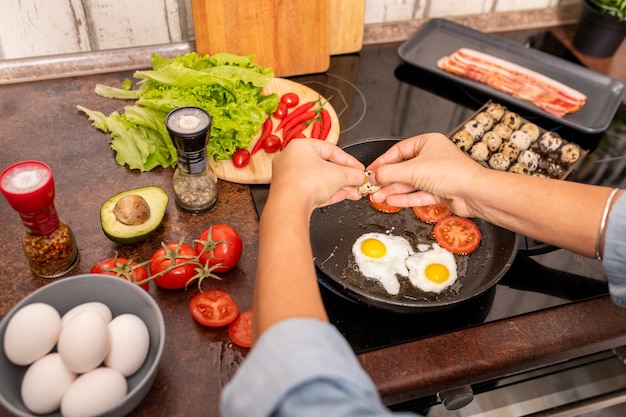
(376, 94)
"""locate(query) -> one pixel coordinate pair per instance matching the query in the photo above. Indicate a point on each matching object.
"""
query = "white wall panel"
(441, 8)
(124, 23)
(379, 11)
(42, 27)
(30, 28)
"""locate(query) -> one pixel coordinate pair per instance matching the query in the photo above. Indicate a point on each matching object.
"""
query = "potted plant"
(601, 27)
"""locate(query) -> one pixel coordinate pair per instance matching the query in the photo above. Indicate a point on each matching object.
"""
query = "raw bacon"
(544, 92)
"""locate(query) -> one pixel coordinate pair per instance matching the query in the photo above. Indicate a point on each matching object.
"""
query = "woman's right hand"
(426, 169)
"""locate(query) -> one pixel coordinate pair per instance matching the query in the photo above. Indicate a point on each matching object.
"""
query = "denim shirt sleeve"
(301, 367)
(614, 259)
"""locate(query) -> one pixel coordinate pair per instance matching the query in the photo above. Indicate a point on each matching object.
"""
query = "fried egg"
(381, 257)
(432, 270)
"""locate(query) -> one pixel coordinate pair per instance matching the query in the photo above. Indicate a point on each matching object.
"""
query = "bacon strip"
(550, 95)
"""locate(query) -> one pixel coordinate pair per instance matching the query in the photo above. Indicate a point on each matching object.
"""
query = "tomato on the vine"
(240, 330)
(290, 99)
(163, 263)
(213, 308)
(219, 246)
(121, 267)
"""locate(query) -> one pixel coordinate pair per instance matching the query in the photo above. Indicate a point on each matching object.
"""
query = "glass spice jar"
(48, 243)
(194, 181)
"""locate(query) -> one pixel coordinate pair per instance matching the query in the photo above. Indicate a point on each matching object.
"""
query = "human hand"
(318, 172)
(425, 169)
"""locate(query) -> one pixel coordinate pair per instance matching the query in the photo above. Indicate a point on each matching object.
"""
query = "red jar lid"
(28, 186)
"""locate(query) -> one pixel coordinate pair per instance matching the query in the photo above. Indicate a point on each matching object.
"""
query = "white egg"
(31, 333)
(433, 270)
(96, 306)
(45, 383)
(130, 341)
(94, 392)
(84, 341)
(381, 257)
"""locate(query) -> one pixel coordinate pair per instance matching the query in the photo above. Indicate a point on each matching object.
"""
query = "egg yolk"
(373, 248)
(437, 273)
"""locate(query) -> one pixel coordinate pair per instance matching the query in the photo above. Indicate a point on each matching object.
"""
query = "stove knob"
(456, 398)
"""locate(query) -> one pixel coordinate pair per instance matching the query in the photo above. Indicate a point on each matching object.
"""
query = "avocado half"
(150, 204)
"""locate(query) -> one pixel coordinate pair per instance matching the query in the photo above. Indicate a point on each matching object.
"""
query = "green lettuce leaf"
(229, 87)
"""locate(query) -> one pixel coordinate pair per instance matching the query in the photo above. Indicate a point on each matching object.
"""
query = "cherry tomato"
(271, 143)
(290, 99)
(240, 330)
(213, 308)
(383, 206)
(281, 111)
(456, 234)
(164, 261)
(241, 158)
(120, 267)
(219, 244)
(432, 213)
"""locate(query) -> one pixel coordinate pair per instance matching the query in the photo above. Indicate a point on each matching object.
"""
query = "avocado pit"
(132, 209)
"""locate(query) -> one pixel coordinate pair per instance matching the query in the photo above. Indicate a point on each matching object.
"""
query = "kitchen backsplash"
(50, 27)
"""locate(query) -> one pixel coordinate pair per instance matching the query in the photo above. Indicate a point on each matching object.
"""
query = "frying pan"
(335, 228)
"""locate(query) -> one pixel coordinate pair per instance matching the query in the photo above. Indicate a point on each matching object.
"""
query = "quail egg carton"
(500, 139)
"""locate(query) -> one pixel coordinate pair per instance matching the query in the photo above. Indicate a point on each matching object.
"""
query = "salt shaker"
(48, 243)
(194, 181)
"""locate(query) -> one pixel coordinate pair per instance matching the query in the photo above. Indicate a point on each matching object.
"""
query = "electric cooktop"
(377, 95)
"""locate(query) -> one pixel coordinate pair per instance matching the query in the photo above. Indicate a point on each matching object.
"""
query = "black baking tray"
(441, 37)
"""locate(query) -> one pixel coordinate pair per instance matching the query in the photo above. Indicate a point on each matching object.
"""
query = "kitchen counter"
(40, 121)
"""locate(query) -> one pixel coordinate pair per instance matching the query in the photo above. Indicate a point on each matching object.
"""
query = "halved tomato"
(213, 308)
(457, 234)
(240, 330)
(431, 213)
(383, 206)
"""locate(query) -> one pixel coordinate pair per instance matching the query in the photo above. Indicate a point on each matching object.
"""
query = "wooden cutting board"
(347, 19)
(291, 37)
(259, 170)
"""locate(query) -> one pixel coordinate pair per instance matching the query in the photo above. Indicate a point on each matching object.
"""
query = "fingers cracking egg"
(381, 257)
(367, 187)
(432, 270)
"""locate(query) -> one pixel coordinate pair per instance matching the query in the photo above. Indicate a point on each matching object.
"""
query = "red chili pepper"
(267, 130)
(291, 134)
(300, 119)
(298, 111)
(326, 123)
(316, 129)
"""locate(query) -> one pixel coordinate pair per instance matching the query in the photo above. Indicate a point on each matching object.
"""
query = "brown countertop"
(40, 121)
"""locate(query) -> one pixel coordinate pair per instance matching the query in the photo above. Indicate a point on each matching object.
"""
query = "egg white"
(418, 263)
(385, 268)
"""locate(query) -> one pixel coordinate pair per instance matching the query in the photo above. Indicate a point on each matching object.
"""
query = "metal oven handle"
(587, 405)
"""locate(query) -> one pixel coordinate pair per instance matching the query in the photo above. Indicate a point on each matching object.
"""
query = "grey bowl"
(122, 297)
